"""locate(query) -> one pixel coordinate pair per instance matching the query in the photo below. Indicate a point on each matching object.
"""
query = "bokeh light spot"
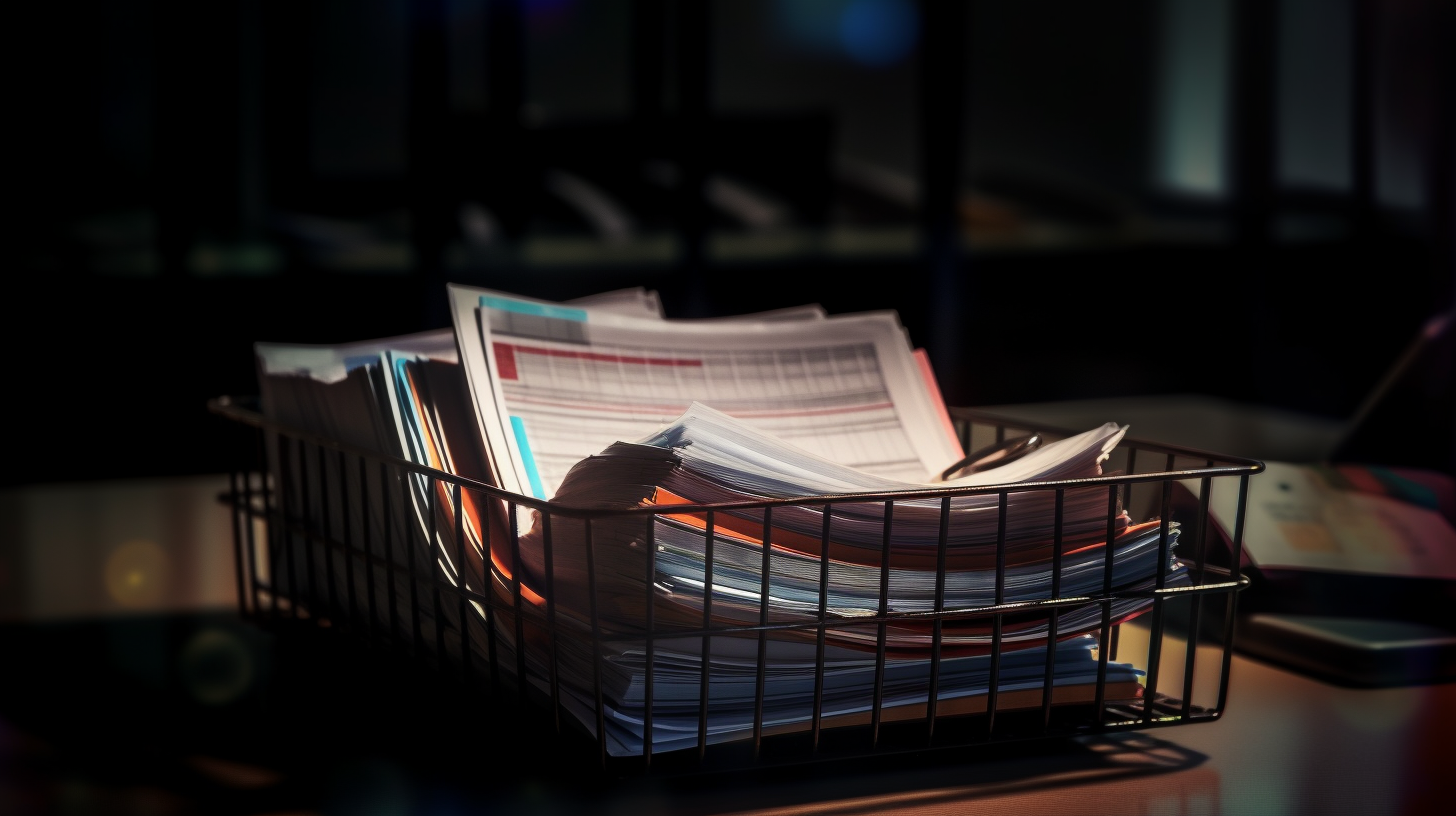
(136, 574)
(216, 666)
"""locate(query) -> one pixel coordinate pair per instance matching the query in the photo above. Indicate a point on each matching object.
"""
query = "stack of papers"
(627, 422)
(707, 457)
(791, 671)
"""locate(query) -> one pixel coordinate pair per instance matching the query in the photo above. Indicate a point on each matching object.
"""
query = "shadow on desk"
(182, 714)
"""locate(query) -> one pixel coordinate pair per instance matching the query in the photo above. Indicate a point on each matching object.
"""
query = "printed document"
(556, 383)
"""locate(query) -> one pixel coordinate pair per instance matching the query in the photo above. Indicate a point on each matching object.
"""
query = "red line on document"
(505, 362)
(635, 407)
(596, 356)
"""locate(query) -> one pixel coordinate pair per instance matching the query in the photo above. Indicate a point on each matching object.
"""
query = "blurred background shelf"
(1063, 201)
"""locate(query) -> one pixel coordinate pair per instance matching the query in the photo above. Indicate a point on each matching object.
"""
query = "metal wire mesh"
(387, 552)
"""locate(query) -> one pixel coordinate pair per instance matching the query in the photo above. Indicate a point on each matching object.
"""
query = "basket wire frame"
(281, 471)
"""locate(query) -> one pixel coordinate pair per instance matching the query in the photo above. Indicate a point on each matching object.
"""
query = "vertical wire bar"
(461, 584)
(407, 543)
(932, 700)
(492, 612)
(1155, 631)
(1116, 636)
(512, 511)
(368, 546)
(708, 536)
(817, 726)
(437, 563)
(1233, 596)
(390, 592)
(1048, 680)
(285, 533)
(1113, 641)
(1104, 633)
(596, 631)
(1195, 606)
(993, 690)
(267, 497)
(649, 602)
(276, 518)
(547, 553)
(1131, 470)
(551, 612)
(328, 535)
(351, 595)
(308, 535)
(250, 519)
(239, 579)
(882, 629)
(763, 594)
(487, 588)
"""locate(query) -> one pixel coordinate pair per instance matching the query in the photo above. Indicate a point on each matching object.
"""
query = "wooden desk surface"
(184, 714)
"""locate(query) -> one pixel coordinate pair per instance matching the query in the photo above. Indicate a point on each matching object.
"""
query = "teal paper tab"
(528, 460)
(534, 309)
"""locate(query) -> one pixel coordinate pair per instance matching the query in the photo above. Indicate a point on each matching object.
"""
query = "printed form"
(555, 383)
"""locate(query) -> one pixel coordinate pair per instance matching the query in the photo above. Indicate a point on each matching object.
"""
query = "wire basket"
(372, 548)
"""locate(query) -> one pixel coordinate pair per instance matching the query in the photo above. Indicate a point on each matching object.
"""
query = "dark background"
(1063, 200)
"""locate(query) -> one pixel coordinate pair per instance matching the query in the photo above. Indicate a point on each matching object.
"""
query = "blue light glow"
(879, 32)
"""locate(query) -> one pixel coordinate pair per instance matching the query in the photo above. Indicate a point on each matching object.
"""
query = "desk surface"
(129, 686)
(143, 715)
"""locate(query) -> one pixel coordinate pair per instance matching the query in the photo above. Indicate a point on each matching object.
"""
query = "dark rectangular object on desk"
(1350, 629)
(1352, 650)
(1430, 601)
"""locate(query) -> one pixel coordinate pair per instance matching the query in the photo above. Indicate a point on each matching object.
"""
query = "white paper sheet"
(555, 384)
